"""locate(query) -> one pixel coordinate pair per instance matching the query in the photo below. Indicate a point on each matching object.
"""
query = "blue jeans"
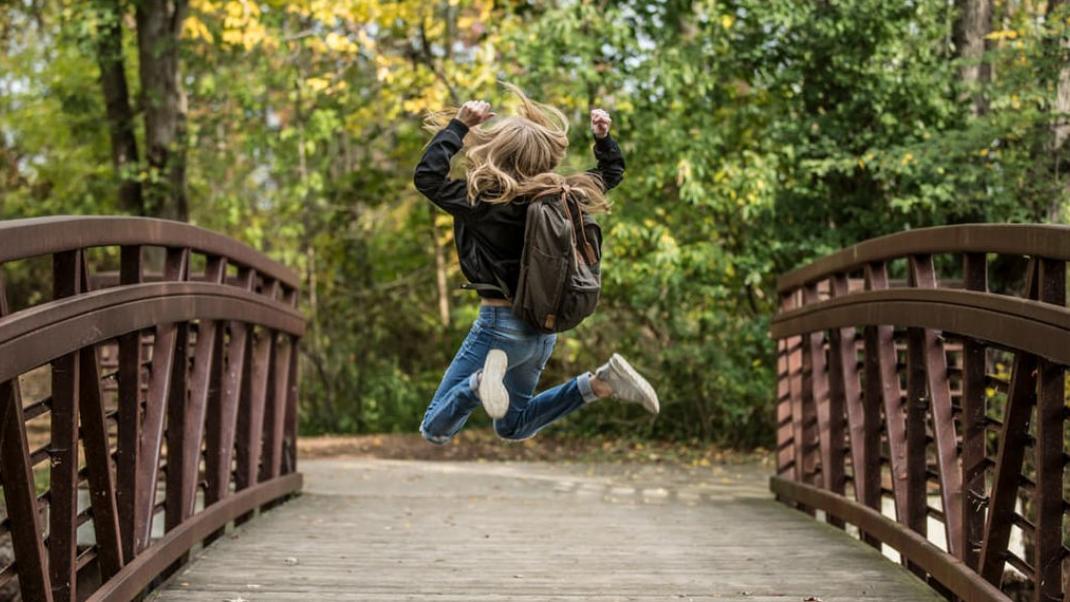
(528, 351)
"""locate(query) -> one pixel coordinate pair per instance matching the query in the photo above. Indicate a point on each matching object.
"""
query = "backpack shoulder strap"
(501, 287)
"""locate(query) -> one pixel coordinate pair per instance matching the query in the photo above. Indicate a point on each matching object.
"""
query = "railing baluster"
(810, 440)
(975, 273)
(795, 388)
(882, 383)
(99, 465)
(916, 516)
(63, 449)
(206, 364)
(289, 459)
(784, 434)
(1048, 450)
(251, 415)
(275, 418)
(129, 410)
(288, 432)
(98, 457)
(178, 421)
(829, 410)
(1012, 442)
(20, 498)
(845, 393)
(933, 365)
(166, 363)
(222, 430)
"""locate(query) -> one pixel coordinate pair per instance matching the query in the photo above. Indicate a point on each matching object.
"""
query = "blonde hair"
(514, 158)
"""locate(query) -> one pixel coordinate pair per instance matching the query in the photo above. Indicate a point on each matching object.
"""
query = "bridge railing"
(933, 417)
(113, 470)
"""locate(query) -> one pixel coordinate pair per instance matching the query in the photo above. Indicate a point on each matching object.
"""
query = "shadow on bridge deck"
(391, 530)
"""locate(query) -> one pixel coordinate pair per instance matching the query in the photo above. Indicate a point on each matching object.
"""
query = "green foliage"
(758, 134)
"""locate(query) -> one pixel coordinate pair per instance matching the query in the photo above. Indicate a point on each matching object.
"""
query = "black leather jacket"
(490, 237)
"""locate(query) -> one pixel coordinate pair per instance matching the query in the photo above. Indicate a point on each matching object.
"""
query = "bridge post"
(974, 423)
(1048, 452)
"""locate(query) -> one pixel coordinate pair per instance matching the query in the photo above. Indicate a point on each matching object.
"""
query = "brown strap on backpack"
(577, 225)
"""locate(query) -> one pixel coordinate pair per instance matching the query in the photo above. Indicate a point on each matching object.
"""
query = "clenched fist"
(474, 112)
(600, 122)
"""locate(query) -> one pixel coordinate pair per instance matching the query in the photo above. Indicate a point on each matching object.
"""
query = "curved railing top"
(1010, 239)
(33, 237)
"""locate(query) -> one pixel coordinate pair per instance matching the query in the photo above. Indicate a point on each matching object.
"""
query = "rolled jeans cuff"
(583, 383)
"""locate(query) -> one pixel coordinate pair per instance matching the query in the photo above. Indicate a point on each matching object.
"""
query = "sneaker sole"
(492, 391)
(650, 397)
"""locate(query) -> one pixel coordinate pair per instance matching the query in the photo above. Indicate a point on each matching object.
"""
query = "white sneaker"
(627, 384)
(492, 391)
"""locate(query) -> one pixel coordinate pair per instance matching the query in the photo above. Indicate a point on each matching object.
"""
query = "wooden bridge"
(148, 411)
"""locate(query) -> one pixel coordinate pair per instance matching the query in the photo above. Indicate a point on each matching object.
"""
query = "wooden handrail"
(1042, 240)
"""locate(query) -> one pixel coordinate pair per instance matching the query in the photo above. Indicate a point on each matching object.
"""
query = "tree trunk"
(1060, 123)
(159, 24)
(441, 281)
(972, 25)
(124, 152)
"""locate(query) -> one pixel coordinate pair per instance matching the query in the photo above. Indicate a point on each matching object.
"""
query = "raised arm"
(432, 173)
(606, 150)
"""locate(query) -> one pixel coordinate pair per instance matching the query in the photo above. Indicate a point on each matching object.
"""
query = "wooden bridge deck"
(392, 530)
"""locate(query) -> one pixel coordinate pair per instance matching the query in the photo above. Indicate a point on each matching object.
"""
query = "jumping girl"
(511, 161)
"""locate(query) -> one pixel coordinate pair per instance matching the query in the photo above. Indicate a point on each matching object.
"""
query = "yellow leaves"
(1003, 34)
(195, 29)
(907, 159)
(339, 43)
(322, 85)
(983, 152)
(727, 21)
(239, 20)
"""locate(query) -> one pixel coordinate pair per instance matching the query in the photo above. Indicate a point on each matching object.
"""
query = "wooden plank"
(1011, 454)
(974, 499)
(129, 425)
(20, 498)
(1048, 453)
(882, 383)
(933, 363)
(164, 367)
(63, 449)
(399, 545)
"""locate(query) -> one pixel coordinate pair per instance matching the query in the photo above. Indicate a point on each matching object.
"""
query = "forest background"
(758, 134)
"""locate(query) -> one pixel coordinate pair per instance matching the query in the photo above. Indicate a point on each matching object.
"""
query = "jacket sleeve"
(432, 173)
(610, 161)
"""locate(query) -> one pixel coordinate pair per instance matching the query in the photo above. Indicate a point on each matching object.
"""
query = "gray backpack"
(560, 279)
